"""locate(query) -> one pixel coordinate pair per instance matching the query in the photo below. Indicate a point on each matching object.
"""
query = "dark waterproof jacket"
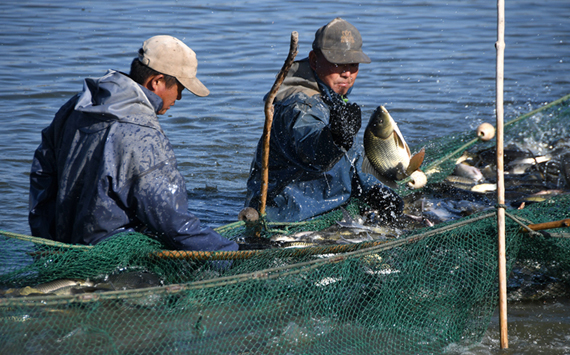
(308, 173)
(104, 166)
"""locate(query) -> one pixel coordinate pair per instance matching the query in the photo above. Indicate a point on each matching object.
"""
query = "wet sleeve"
(305, 132)
(161, 203)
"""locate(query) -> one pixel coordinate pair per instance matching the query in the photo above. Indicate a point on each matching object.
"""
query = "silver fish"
(354, 226)
(460, 182)
(57, 287)
(484, 188)
(299, 244)
(468, 171)
(468, 184)
(387, 155)
(350, 223)
(347, 231)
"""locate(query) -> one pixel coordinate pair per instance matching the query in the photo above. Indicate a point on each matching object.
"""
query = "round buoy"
(417, 180)
(248, 214)
(485, 131)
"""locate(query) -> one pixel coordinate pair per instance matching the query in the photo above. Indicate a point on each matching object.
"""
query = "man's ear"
(153, 82)
(313, 60)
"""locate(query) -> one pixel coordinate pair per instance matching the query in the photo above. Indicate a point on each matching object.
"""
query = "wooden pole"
(269, 120)
(500, 46)
(549, 225)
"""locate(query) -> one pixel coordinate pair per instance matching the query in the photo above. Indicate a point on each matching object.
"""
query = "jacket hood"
(300, 78)
(115, 96)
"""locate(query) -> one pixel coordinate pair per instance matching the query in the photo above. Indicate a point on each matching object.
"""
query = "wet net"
(420, 292)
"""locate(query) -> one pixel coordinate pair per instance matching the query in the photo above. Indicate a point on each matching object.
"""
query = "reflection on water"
(433, 66)
(541, 327)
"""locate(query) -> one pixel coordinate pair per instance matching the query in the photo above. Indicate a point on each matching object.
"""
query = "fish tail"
(415, 162)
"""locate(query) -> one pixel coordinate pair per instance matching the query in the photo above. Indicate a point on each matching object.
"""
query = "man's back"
(98, 142)
(105, 167)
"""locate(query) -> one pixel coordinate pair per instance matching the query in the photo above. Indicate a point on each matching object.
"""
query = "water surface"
(433, 67)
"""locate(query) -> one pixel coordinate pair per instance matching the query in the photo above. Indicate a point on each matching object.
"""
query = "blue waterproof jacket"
(105, 166)
(308, 173)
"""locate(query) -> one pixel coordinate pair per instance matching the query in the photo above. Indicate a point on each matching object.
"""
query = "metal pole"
(500, 46)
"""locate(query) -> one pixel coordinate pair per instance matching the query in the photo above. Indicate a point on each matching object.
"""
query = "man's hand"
(345, 120)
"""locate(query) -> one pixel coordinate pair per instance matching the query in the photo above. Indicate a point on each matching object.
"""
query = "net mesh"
(419, 293)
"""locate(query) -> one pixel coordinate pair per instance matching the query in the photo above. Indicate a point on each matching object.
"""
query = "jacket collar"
(302, 78)
(153, 98)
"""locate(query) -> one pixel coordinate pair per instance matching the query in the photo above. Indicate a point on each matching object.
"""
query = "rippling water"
(433, 67)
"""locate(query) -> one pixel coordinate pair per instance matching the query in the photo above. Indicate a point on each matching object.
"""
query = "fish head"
(380, 123)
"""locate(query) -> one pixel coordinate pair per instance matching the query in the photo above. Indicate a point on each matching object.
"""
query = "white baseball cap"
(169, 55)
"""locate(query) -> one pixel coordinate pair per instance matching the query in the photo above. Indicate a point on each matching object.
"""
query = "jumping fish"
(387, 155)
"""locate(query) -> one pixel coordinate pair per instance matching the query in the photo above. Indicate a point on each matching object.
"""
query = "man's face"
(169, 95)
(339, 77)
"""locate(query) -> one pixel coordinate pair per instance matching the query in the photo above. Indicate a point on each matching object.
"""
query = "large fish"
(387, 155)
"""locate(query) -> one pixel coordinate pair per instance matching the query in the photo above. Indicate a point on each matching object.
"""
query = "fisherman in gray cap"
(312, 156)
(104, 165)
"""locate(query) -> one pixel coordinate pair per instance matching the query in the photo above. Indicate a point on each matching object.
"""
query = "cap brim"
(195, 86)
(345, 57)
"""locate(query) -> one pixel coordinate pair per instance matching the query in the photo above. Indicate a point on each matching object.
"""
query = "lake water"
(433, 67)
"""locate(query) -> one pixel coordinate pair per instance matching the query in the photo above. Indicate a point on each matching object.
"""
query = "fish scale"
(388, 159)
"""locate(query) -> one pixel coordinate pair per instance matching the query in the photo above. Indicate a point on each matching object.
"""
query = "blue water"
(433, 67)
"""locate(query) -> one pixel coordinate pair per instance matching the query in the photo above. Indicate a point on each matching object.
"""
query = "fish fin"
(347, 221)
(416, 161)
(346, 216)
(399, 141)
(367, 168)
(399, 137)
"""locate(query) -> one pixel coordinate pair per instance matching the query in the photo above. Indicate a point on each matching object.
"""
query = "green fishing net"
(421, 292)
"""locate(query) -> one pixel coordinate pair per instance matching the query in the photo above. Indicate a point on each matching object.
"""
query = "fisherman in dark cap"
(104, 165)
(312, 157)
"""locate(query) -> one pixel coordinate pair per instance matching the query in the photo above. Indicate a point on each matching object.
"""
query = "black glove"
(385, 200)
(345, 120)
